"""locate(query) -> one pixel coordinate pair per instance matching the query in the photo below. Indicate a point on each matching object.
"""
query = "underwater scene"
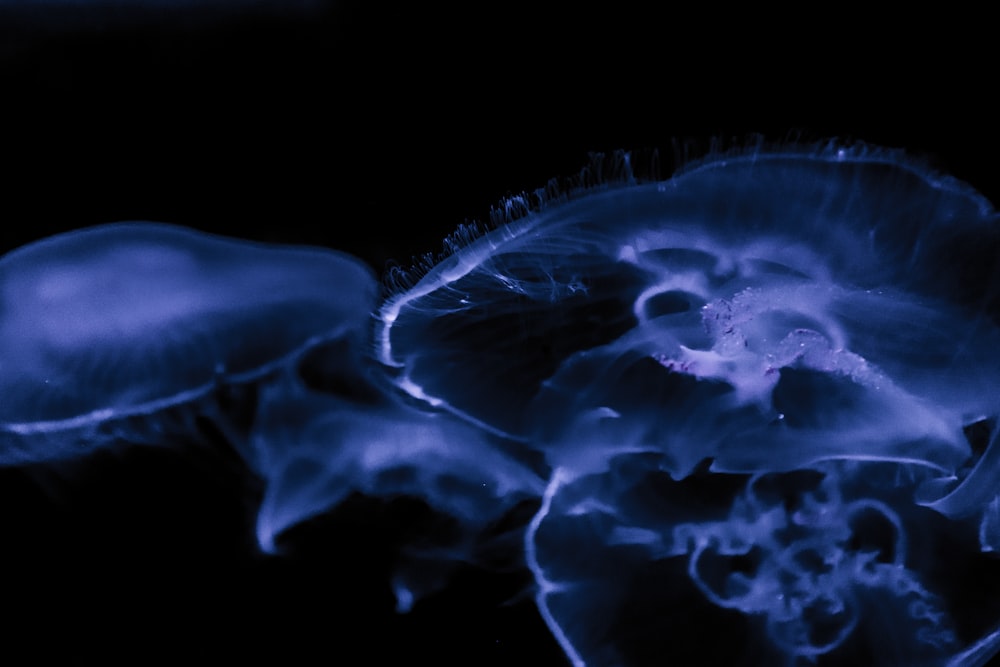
(298, 362)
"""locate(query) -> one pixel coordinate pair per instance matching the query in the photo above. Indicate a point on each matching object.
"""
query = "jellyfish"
(827, 564)
(766, 275)
(320, 448)
(761, 315)
(122, 330)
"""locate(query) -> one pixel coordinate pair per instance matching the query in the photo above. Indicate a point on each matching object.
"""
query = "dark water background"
(374, 128)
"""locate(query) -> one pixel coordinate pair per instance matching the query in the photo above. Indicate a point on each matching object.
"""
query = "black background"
(374, 128)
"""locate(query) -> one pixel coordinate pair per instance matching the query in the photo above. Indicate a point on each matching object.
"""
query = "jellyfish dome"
(107, 329)
(834, 295)
(767, 389)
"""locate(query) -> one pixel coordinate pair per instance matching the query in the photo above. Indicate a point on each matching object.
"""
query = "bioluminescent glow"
(760, 397)
(317, 448)
(115, 331)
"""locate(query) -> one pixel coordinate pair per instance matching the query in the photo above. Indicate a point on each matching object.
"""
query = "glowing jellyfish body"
(829, 563)
(319, 448)
(777, 279)
(105, 330)
(834, 311)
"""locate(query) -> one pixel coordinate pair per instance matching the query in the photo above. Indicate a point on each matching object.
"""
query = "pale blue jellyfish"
(120, 330)
(318, 448)
(669, 345)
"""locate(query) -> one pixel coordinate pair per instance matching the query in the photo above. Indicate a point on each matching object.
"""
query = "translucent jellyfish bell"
(752, 302)
(107, 329)
(317, 448)
(816, 566)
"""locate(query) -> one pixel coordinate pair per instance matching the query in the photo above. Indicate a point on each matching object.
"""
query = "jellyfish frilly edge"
(110, 330)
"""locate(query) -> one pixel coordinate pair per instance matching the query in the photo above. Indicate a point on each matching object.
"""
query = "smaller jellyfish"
(129, 330)
(320, 447)
(823, 564)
